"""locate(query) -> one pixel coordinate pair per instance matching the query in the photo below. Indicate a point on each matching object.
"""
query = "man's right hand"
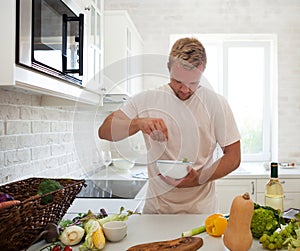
(154, 127)
(118, 126)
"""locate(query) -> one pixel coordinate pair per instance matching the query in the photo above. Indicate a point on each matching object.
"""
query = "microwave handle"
(81, 25)
(79, 39)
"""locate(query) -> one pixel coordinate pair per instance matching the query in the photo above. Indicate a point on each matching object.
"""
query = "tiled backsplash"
(53, 141)
(40, 141)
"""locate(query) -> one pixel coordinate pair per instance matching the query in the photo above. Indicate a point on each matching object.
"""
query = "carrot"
(9, 203)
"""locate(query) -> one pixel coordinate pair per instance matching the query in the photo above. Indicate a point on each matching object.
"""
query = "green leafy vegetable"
(47, 186)
(265, 220)
(118, 217)
(194, 231)
(185, 160)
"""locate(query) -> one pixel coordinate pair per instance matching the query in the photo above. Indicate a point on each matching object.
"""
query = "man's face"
(184, 82)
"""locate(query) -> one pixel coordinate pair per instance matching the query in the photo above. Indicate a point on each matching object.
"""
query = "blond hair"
(189, 52)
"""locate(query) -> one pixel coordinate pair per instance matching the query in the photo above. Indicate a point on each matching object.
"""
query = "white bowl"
(115, 230)
(173, 169)
(123, 164)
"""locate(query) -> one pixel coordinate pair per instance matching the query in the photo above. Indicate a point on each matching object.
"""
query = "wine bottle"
(274, 195)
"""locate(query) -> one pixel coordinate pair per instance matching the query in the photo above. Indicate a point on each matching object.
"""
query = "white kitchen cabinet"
(227, 189)
(290, 188)
(123, 47)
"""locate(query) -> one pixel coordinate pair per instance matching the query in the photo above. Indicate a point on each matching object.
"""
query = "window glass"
(245, 90)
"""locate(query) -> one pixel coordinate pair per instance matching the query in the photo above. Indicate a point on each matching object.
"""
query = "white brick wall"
(39, 141)
(156, 20)
(18, 156)
(14, 127)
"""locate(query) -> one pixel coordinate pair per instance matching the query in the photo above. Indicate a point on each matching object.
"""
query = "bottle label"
(275, 202)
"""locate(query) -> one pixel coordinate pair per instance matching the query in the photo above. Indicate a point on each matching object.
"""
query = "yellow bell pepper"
(215, 225)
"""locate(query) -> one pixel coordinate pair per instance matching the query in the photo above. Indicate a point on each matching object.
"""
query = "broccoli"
(265, 220)
(47, 186)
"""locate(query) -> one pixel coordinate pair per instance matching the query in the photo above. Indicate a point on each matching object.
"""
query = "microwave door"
(52, 42)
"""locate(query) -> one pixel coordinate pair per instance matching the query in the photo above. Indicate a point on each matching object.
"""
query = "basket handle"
(34, 197)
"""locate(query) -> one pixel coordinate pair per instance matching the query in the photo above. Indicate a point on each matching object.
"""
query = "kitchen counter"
(149, 228)
(246, 170)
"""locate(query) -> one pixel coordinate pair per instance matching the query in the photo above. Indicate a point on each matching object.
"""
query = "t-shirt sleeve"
(130, 108)
(226, 129)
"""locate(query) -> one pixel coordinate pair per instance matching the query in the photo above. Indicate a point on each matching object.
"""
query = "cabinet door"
(122, 43)
(227, 189)
(134, 60)
(94, 45)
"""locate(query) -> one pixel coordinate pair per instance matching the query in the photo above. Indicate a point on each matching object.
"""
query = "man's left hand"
(190, 180)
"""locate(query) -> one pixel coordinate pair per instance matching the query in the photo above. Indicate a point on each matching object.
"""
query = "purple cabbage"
(5, 197)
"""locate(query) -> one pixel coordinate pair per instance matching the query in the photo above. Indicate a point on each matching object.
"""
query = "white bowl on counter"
(173, 168)
(115, 230)
(123, 164)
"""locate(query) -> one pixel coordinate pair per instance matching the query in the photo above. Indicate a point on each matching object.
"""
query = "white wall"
(157, 19)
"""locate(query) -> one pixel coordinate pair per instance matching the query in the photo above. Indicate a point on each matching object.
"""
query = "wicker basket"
(21, 224)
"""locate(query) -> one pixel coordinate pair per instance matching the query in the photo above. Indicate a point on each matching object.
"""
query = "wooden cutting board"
(180, 244)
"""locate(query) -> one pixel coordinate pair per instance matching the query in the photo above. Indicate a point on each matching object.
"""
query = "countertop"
(245, 171)
(149, 228)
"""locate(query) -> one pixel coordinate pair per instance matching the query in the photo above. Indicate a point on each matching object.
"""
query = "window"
(242, 68)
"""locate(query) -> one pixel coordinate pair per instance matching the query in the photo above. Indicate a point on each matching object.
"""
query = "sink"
(125, 189)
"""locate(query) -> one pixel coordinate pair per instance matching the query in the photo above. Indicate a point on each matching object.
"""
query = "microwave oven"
(49, 38)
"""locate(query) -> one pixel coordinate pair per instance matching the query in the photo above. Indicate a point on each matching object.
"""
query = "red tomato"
(56, 248)
(67, 248)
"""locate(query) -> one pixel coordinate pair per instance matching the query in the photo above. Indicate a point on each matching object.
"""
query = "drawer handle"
(282, 182)
(252, 183)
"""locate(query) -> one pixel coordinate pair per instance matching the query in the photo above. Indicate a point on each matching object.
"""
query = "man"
(181, 120)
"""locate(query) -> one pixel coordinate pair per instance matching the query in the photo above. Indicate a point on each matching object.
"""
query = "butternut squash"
(238, 236)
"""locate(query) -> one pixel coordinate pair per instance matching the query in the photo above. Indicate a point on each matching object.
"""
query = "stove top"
(125, 189)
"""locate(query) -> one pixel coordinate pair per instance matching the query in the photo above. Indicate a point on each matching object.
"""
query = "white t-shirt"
(195, 126)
